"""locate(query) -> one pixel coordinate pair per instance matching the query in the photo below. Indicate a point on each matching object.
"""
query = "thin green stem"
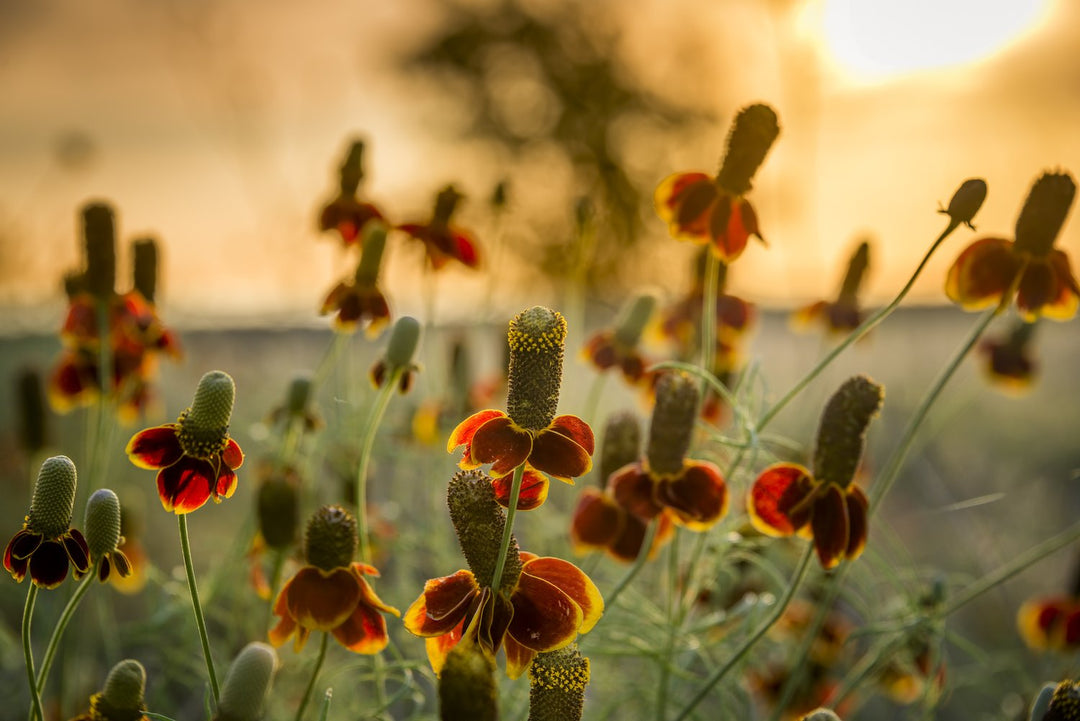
(708, 313)
(378, 409)
(639, 563)
(891, 469)
(672, 629)
(865, 327)
(276, 567)
(508, 529)
(592, 400)
(28, 653)
(193, 590)
(756, 636)
(58, 630)
(314, 676)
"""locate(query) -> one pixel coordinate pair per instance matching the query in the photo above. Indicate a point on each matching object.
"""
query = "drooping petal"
(597, 520)
(155, 448)
(285, 627)
(78, 552)
(698, 496)
(1038, 620)
(442, 605)
(226, 484)
(829, 522)
(18, 550)
(518, 657)
(321, 600)
(633, 489)
(544, 618)
(1048, 288)
(572, 581)
(48, 565)
(982, 273)
(367, 593)
(231, 455)
(463, 433)
(463, 247)
(776, 500)
(364, 631)
(600, 350)
(681, 200)
(502, 444)
(533, 493)
(857, 508)
(185, 485)
(439, 647)
(561, 456)
(576, 430)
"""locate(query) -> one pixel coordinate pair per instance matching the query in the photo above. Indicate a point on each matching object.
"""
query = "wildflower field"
(648, 499)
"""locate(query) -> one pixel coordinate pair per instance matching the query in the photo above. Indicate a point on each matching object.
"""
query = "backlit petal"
(231, 455)
(49, 565)
(775, 502)
(829, 522)
(155, 448)
(364, 631)
(502, 444)
(320, 600)
(857, 508)
(518, 657)
(545, 618)
(1038, 620)
(576, 430)
(633, 489)
(672, 192)
(982, 273)
(533, 493)
(597, 520)
(561, 456)
(464, 431)
(1049, 289)
(77, 551)
(442, 605)
(572, 581)
(439, 647)
(185, 485)
(698, 496)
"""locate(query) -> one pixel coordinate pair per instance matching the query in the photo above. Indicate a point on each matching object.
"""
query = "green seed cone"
(621, 443)
(330, 539)
(479, 521)
(672, 425)
(753, 133)
(367, 270)
(54, 498)
(632, 319)
(298, 395)
(122, 697)
(352, 168)
(204, 428)
(842, 433)
(247, 683)
(101, 524)
(467, 688)
(278, 510)
(146, 267)
(856, 272)
(33, 431)
(966, 201)
(821, 714)
(1064, 703)
(401, 348)
(537, 337)
(1044, 213)
(557, 681)
(100, 239)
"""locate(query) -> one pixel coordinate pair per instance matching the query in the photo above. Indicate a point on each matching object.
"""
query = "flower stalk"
(193, 590)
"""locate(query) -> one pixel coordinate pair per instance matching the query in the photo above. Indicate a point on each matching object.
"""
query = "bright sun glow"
(877, 39)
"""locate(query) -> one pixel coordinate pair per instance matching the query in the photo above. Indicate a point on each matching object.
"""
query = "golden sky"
(218, 128)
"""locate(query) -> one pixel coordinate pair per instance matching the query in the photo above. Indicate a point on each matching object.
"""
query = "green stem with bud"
(504, 546)
(193, 589)
(378, 409)
(58, 630)
(314, 676)
(28, 653)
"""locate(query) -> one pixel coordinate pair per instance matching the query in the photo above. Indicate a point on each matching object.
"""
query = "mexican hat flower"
(1007, 360)
(665, 480)
(346, 213)
(397, 364)
(359, 302)
(825, 504)
(442, 241)
(991, 271)
(541, 603)
(121, 699)
(47, 544)
(102, 524)
(714, 210)
(529, 432)
(243, 695)
(844, 314)
(617, 347)
(330, 593)
(195, 458)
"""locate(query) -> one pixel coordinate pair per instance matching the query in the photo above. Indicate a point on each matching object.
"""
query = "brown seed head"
(204, 427)
(467, 687)
(842, 433)
(352, 168)
(753, 133)
(557, 681)
(1044, 213)
(146, 267)
(100, 242)
(330, 539)
(537, 337)
(672, 425)
(479, 521)
(54, 498)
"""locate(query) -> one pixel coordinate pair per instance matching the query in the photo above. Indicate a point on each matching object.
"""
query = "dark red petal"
(231, 455)
(185, 485)
(572, 581)
(442, 605)
(77, 551)
(576, 430)
(857, 508)
(982, 273)
(672, 192)
(49, 565)
(597, 520)
(518, 657)
(463, 433)
(502, 444)
(633, 489)
(533, 493)
(364, 631)
(561, 456)
(698, 496)
(1038, 286)
(776, 501)
(464, 248)
(600, 350)
(123, 565)
(322, 601)
(155, 448)
(226, 483)
(696, 203)
(545, 618)
(829, 521)
(23, 544)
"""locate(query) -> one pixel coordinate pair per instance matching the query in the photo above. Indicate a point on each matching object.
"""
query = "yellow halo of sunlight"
(875, 40)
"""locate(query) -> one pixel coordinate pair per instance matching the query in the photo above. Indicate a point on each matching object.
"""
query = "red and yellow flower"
(358, 301)
(991, 271)
(195, 458)
(1050, 623)
(442, 241)
(845, 313)
(552, 603)
(346, 213)
(601, 522)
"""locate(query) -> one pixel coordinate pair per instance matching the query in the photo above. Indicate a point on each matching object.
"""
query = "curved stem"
(377, 411)
(508, 529)
(314, 676)
(865, 327)
(28, 653)
(760, 631)
(58, 631)
(193, 590)
(708, 313)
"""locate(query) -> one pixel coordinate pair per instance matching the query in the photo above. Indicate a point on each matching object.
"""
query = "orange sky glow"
(218, 130)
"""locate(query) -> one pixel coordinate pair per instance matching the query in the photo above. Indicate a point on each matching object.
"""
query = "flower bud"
(102, 523)
(32, 429)
(367, 270)
(621, 443)
(537, 337)
(632, 319)
(966, 202)
(445, 203)
(842, 433)
(278, 509)
(672, 426)
(1041, 702)
(330, 539)
(403, 341)
(1044, 213)
(100, 242)
(204, 427)
(856, 271)
(821, 714)
(247, 684)
(145, 251)
(122, 697)
(53, 501)
(753, 133)
(1064, 703)
(352, 168)
(557, 681)
(297, 396)
(467, 688)
(479, 521)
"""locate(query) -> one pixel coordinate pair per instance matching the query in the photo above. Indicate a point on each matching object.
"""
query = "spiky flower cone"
(367, 270)
(821, 714)
(330, 539)
(632, 319)
(1064, 704)
(278, 510)
(1044, 213)
(122, 697)
(54, 498)
(352, 168)
(537, 337)
(672, 425)
(753, 133)
(621, 443)
(247, 684)
(33, 431)
(100, 239)
(102, 523)
(842, 433)
(145, 251)
(557, 682)
(204, 427)
(467, 688)
(479, 522)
